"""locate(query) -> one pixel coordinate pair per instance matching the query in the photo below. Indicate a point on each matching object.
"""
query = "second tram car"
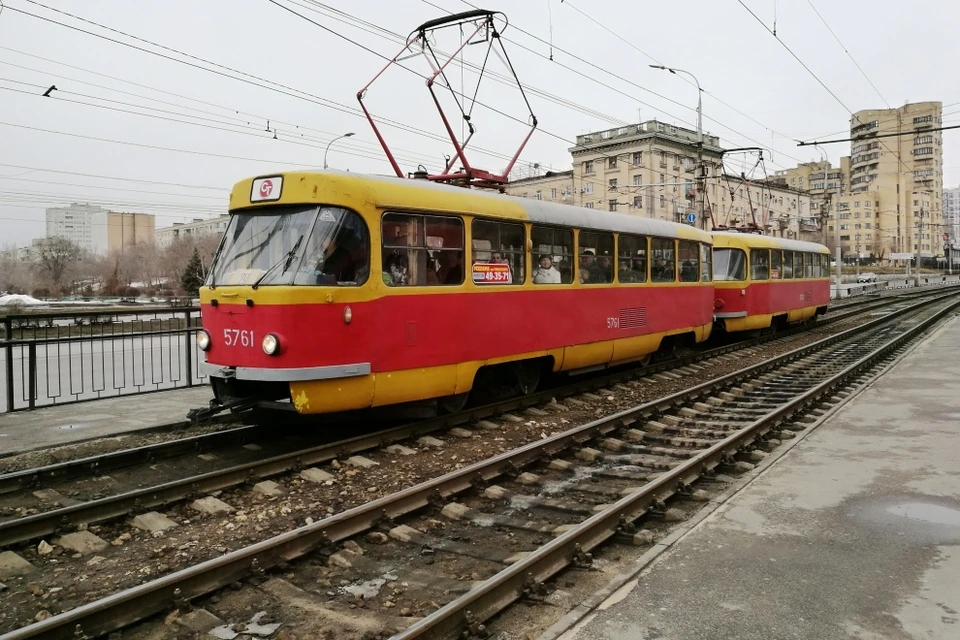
(762, 282)
(335, 291)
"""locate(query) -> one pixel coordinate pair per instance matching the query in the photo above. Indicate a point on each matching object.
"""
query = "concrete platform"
(854, 533)
(51, 426)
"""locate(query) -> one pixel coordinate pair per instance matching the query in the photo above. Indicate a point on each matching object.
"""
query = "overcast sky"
(190, 133)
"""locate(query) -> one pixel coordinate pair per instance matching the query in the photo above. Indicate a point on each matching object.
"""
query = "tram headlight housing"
(271, 345)
(203, 340)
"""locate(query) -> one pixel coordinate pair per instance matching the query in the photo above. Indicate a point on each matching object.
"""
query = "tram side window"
(759, 264)
(706, 263)
(787, 265)
(553, 251)
(689, 254)
(776, 262)
(632, 258)
(729, 264)
(596, 257)
(808, 265)
(664, 267)
(422, 250)
(824, 266)
(498, 253)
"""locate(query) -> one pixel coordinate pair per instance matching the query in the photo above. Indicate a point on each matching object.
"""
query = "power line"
(102, 187)
(241, 76)
(795, 57)
(884, 135)
(625, 80)
(150, 146)
(381, 32)
(295, 126)
(846, 51)
(687, 80)
(107, 177)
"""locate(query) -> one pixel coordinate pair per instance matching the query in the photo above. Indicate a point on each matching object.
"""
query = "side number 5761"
(237, 338)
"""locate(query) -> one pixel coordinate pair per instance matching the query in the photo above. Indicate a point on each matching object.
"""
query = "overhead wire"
(817, 78)
(602, 68)
(240, 76)
(219, 118)
(849, 55)
(374, 29)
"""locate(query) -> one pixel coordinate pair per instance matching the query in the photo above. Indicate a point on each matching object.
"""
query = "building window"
(637, 158)
(921, 119)
(612, 162)
(638, 202)
(613, 204)
(662, 178)
(538, 196)
(662, 201)
(588, 188)
(638, 181)
(613, 183)
(553, 194)
(588, 166)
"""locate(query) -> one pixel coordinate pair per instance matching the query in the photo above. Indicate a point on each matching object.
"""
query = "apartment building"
(905, 170)
(951, 214)
(82, 224)
(553, 186)
(649, 169)
(98, 231)
(198, 228)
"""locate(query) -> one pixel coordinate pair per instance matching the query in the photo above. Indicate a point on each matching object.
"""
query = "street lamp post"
(346, 135)
(700, 172)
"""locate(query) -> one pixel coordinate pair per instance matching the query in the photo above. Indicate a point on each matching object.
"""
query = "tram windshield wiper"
(285, 261)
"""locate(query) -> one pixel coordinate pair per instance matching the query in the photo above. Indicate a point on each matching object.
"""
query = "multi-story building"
(82, 224)
(198, 228)
(553, 186)
(951, 214)
(820, 179)
(128, 229)
(905, 170)
(98, 231)
(649, 169)
(774, 210)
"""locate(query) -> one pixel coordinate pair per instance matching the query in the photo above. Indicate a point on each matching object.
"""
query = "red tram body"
(763, 282)
(336, 291)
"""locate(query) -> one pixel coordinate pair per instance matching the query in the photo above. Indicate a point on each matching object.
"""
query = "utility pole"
(916, 276)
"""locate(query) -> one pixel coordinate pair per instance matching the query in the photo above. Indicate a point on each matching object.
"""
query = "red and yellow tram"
(336, 291)
(763, 282)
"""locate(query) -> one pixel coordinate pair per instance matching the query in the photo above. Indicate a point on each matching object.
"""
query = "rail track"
(57, 498)
(556, 500)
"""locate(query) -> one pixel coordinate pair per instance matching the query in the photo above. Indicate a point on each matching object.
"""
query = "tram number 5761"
(237, 338)
(613, 323)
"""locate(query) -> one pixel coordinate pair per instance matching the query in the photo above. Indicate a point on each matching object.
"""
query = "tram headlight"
(271, 344)
(203, 340)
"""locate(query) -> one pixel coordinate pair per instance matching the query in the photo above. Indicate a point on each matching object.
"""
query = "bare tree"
(56, 257)
(16, 275)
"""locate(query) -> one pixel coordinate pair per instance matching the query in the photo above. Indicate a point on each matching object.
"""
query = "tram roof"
(390, 192)
(757, 241)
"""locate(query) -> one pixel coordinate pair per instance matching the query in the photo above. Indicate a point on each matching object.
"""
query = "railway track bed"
(428, 547)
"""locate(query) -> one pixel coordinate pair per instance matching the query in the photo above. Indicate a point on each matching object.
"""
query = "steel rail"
(499, 591)
(177, 589)
(71, 469)
(93, 465)
(55, 520)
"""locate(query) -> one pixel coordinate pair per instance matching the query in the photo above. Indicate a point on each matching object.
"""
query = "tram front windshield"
(729, 264)
(293, 245)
